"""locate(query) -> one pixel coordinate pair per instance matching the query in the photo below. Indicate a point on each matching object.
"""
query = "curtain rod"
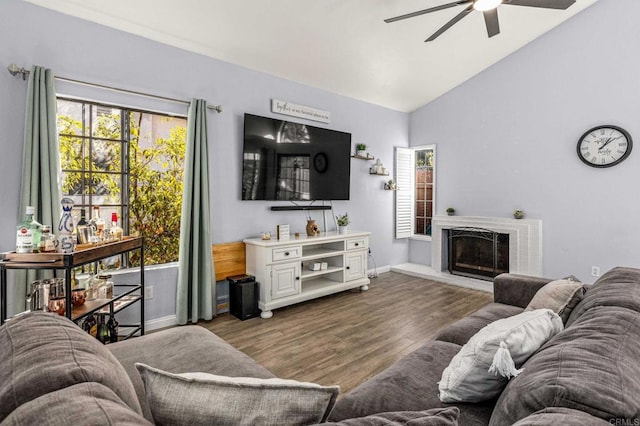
(14, 70)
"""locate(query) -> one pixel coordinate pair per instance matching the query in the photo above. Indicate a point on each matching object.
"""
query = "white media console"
(299, 269)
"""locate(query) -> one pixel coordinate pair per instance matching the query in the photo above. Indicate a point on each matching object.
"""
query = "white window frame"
(405, 170)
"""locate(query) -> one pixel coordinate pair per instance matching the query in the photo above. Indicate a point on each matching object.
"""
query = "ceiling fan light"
(483, 5)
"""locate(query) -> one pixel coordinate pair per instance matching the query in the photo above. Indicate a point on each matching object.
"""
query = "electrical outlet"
(595, 271)
(148, 292)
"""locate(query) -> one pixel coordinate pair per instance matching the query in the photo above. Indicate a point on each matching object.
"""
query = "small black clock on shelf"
(604, 146)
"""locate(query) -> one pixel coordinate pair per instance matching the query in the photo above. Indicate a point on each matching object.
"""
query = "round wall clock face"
(320, 162)
(604, 146)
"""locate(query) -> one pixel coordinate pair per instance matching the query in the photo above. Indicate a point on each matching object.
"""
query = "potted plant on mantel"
(451, 211)
(361, 150)
(518, 214)
(343, 222)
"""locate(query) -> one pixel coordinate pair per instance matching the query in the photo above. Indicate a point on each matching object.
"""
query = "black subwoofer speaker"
(243, 296)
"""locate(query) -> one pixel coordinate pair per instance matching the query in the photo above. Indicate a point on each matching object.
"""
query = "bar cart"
(126, 296)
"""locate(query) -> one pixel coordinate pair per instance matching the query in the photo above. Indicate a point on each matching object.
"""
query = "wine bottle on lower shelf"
(112, 325)
(103, 330)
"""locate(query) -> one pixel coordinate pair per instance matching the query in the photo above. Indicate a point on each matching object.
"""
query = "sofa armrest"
(516, 290)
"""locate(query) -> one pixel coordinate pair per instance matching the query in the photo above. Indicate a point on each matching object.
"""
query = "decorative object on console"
(283, 232)
(343, 223)
(361, 150)
(312, 228)
(266, 235)
(518, 214)
(451, 211)
(604, 146)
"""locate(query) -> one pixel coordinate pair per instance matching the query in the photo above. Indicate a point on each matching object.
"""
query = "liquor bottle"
(116, 231)
(90, 325)
(105, 288)
(47, 240)
(28, 233)
(103, 330)
(112, 325)
(82, 228)
(97, 223)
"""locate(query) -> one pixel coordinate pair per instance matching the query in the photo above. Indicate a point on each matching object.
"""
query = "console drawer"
(284, 253)
(357, 244)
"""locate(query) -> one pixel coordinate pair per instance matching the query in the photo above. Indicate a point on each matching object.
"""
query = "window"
(415, 197)
(128, 162)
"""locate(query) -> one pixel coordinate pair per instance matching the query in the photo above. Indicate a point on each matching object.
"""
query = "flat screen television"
(289, 161)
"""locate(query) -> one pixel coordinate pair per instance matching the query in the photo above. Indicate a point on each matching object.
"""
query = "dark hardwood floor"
(348, 337)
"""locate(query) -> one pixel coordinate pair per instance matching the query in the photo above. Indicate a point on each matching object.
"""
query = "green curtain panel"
(196, 287)
(41, 176)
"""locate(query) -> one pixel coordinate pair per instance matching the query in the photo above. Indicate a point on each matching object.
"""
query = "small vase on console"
(312, 228)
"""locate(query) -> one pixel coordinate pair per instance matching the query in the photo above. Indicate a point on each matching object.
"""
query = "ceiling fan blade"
(449, 24)
(547, 4)
(431, 9)
(491, 21)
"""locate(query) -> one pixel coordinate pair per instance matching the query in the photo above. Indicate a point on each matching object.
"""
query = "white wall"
(82, 50)
(507, 139)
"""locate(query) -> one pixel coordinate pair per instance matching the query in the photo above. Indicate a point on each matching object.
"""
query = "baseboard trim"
(155, 324)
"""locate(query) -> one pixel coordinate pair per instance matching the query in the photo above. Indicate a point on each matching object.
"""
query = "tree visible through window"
(129, 162)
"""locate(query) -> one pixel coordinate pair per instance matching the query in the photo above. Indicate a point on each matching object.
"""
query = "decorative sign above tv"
(284, 160)
(301, 111)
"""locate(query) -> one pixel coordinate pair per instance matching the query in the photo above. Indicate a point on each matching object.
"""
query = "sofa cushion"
(561, 416)
(42, 353)
(469, 376)
(462, 330)
(561, 296)
(410, 384)
(592, 366)
(83, 404)
(433, 417)
(181, 350)
(205, 399)
(618, 287)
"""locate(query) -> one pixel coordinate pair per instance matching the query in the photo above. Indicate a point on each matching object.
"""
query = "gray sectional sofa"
(51, 373)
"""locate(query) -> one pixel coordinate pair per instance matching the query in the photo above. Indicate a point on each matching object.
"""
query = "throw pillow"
(561, 296)
(206, 399)
(482, 367)
(434, 417)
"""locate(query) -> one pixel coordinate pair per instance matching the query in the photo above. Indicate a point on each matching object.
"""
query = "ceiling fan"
(489, 9)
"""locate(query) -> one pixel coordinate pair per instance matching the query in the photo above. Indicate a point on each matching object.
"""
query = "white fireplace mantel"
(525, 240)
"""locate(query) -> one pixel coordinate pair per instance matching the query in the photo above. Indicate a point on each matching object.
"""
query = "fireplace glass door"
(478, 253)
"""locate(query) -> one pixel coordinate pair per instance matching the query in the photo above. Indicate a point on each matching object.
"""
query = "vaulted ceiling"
(343, 46)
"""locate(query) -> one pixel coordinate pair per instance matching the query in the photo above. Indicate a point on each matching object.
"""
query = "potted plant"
(343, 222)
(518, 214)
(451, 211)
(361, 150)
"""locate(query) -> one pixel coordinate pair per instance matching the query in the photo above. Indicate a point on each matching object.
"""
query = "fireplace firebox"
(478, 253)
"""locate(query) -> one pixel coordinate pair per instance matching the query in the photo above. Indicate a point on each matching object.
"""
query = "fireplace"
(477, 252)
(525, 241)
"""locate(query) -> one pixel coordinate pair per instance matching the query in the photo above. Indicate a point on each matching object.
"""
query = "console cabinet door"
(285, 280)
(355, 266)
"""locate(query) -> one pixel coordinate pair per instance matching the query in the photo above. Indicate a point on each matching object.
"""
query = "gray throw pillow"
(207, 399)
(434, 417)
(561, 296)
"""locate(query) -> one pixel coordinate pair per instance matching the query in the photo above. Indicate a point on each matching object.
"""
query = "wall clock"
(604, 146)
(320, 162)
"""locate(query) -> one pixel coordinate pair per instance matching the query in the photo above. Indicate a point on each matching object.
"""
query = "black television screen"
(284, 160)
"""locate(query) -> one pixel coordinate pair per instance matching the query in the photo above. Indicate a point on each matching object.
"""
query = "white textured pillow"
(467, 378)
(207, 399)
